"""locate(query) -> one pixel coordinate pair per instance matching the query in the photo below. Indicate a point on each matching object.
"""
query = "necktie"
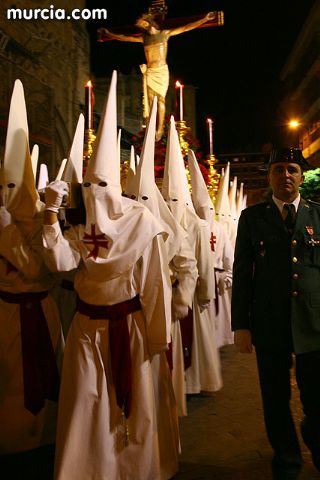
(290, 217)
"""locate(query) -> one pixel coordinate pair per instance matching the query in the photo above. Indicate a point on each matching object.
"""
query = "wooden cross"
(154, 31)
(159, 10)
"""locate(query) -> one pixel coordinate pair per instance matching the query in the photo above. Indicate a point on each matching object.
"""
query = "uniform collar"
(281, 203)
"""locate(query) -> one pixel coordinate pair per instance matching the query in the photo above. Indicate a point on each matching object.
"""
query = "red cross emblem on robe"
(96, 240)
(213, 241)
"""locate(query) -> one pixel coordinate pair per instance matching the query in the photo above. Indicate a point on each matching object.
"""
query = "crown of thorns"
(149, 17)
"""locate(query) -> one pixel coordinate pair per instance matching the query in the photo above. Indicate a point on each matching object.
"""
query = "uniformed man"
(276, 306)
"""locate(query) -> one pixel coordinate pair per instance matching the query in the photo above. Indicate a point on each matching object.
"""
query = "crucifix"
(153, 30)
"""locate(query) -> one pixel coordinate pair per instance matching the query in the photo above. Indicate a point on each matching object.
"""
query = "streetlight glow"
(294, 123)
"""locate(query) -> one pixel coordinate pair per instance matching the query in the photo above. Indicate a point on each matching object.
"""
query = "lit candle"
(180, 87)
(89, 102)
(210, 130)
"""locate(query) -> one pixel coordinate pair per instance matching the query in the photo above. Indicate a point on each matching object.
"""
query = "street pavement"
(223, 436)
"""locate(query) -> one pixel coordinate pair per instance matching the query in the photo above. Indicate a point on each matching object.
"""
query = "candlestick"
(89, 138)
(89, 133)
(183, 130)
(213, 178)
(210, 130)
(180, 87)
(213, 175)
(89, 103)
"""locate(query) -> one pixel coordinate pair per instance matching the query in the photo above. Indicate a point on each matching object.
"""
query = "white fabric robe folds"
(223, 261)
(204, 374)
(91, 428)
(22, 270)
(184, 272)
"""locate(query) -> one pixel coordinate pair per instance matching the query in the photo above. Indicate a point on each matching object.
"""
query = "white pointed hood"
(20, 196)
(233, 199)
(130, 187)
(244, 201)
(222, 204)
(34, 159)
(200, 195)
(233, 219)
(172, 186)
(119, 145)
(43, 179)
(73, 170)
(147, 193)
(239, 199)
(145, 185)
(61, 169)
(117, 229)
(101, 183)
(185, 185)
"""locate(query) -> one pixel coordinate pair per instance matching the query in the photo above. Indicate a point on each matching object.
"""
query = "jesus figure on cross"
(155, 72)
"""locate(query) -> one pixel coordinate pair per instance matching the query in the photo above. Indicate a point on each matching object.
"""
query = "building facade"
(250, 169)
(301, 78)
(51, 58)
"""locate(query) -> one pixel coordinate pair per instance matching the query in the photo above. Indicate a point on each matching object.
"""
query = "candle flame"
(88, 84)
(178, 84)
(209, 120)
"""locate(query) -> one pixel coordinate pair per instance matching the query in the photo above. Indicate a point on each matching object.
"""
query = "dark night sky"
(235, 67)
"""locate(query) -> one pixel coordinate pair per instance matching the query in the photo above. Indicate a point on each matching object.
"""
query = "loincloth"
(155, 79)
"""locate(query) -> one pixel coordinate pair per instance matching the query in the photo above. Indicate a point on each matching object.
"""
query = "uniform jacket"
(276, 278)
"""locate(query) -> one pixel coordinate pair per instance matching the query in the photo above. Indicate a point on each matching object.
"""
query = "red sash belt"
(119, 342)
(186, 326)
(40, 372)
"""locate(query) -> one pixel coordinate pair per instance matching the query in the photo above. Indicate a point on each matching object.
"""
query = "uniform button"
(294, 294)
(294, 259)
(294, 242)
(295, 276)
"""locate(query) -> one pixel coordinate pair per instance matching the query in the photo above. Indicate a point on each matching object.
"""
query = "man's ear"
(302, 179)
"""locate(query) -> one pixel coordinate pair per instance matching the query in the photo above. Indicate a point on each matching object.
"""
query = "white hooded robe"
(91, 427)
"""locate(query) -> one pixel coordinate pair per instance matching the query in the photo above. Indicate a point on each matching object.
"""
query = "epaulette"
(312, 202)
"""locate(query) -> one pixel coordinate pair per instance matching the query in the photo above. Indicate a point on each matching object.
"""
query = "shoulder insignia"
(312, 202)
